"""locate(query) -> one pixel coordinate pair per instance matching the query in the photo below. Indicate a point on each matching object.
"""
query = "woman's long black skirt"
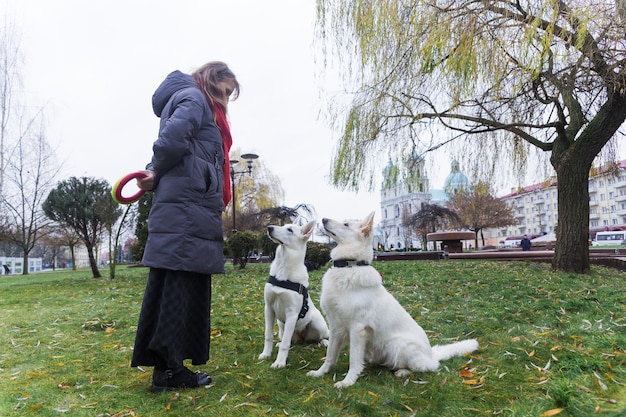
(175, 319)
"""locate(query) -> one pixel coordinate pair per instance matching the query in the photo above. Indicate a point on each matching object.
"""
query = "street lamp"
(249, 157)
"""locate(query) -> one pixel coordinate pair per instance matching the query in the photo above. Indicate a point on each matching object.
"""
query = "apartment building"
(536, 206)
(607, 199)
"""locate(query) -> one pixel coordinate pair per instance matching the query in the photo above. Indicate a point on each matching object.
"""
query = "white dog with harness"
(287, 299)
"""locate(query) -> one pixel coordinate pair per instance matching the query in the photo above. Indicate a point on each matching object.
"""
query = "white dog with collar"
(363, 314)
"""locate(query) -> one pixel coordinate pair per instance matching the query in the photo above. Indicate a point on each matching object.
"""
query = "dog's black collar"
(293, 286)
(349, 264)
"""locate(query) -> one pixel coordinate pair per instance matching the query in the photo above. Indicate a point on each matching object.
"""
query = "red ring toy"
(116, 192)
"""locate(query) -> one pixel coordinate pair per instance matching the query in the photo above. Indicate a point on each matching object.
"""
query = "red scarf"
(227, 142)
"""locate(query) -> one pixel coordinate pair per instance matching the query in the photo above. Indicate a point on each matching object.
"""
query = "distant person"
(7, 271)
(189, 175)
(525, 243)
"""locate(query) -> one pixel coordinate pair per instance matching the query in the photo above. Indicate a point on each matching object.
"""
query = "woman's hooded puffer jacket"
(185, 222)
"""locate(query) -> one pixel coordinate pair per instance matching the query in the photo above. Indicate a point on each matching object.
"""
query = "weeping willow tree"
(256, 190)
(504, 78)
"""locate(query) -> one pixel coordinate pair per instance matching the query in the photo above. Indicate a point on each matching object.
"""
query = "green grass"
(550, 343)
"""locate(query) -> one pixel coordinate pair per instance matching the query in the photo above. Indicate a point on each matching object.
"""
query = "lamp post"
(249, 157)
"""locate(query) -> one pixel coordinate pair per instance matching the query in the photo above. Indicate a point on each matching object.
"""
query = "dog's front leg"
(269, 332)
(281, 329)
(285, 343)
(358, 341)
(335, 343)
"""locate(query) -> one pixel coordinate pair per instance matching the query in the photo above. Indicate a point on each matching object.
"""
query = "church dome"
(389, 168)
(456, 180)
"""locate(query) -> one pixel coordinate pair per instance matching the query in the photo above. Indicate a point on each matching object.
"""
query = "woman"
(189, 174)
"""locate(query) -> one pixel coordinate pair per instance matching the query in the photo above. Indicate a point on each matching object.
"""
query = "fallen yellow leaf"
(311, 394)
(375, 399)
(552, 412)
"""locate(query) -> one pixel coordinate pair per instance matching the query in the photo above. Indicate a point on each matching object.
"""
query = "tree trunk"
(571, 253)
(93, 263)
(25, 269)
(572, 159)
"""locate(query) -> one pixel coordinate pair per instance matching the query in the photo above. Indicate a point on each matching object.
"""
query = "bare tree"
(71, 239)
(51, 246)
(29, 176)
(10, 59)
(27, 166)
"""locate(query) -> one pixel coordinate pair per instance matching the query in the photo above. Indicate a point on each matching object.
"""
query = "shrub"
(267, 246)
(239, 246)
(317, 254)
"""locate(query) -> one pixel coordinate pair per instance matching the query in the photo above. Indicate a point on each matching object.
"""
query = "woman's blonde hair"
(210, 77)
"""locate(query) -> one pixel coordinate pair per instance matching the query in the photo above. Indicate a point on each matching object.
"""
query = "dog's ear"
(308, 229)
(367, 225)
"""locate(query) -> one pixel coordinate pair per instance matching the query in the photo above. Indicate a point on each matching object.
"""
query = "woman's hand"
(146, 183)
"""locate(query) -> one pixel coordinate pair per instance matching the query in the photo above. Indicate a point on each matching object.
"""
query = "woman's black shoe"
(182, 377)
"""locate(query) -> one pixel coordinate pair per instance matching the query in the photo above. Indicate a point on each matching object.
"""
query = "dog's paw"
(315, 374)
(323, 342)
(343, 384)
(264, 356)
(402, 373)
(278, 364)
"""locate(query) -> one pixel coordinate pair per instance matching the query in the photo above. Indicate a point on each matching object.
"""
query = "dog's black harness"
(349, 264)
(293, 286)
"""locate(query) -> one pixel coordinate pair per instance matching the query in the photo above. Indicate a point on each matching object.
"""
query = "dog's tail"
(443, 352)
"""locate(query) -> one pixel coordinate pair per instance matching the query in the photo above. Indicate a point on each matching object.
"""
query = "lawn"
(550, 344)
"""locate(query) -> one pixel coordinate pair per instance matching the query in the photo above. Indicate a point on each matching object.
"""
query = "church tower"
(403, 191)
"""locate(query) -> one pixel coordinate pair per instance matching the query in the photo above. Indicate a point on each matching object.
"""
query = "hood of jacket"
(174, 82)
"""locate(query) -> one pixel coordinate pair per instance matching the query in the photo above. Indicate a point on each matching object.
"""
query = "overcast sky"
(93, 65)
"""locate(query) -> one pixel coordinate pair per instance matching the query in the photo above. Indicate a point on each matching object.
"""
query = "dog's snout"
(270, 228)
(324, 221)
